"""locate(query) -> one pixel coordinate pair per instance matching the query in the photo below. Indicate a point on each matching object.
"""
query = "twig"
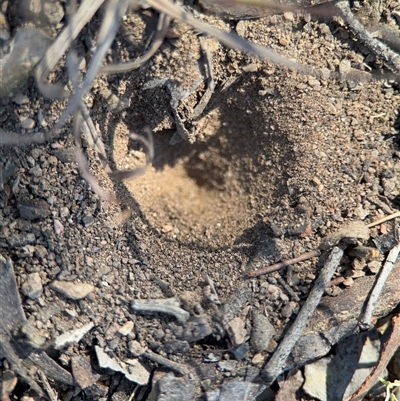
(285, 263)
(226, 38)
(378, 48)
(177, 367)
(288, 289)
(49, 390)
(85, 12)
(108, 30)
(275, 365)
(384, 219)
(83, 165)
(198, 110)
(366, 317)
(169, 305)
(382, 205)
(12, 139)
(389, 348)
(213, 296)
(94, 138)
(148, 146)
(162, 28)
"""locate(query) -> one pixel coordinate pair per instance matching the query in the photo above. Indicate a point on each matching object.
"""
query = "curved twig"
(276, 364)
(108, 30)
(148, 146)
(391, 58)
(162, 28)
(229, 39)
(83, 164)
(54, 53)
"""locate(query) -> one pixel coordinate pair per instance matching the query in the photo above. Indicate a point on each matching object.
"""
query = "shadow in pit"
(247, 141)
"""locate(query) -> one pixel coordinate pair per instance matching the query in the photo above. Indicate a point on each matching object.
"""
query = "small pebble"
(64, 212)
(158, 334)
(28, 123)
(241, 28)
(274, 292)
(288, 309)
(348, 281)
(36, 171)
(258, 359)
(344, 67)
(283, 42)
(374, 266)
(21, 99)
(88, 220)
(135, 348)
(126, 328)
(238, 331)
(70, 313)
(32, 287)
(176, 347)
(73, 291)
(288, 15)
(41, 120)
(58, 227)
(261, 333)
(167, 228)
(358, 273)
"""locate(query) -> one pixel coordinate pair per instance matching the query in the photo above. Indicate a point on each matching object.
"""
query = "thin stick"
(12, 139)
(162, 28)
(376, 291)
(83, 163)
(378, 48)
(54, 53)
(50, 391)
(177, 367)
(285, 263)
(288, 289)
(108, 30)
(276, 364)
(226, 38)
(198, 110)
(384, 219)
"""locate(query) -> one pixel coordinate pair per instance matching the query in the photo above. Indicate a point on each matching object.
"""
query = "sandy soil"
(271, 143)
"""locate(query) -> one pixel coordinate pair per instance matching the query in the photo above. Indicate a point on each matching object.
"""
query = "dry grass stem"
(226, 38)
(64, 40)
(391, 58)
(162, 28)
(83, 164)
(366, 317)
(280, 265)
(108, 30)
(384, 219)
(276, 364)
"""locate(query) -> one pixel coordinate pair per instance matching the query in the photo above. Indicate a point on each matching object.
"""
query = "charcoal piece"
(176, 347)
(196, 328)
(171, 388)
(385, 242)
(32, 210)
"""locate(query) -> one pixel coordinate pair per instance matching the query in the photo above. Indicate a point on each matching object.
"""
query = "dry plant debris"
(278, 159)
(275, 365)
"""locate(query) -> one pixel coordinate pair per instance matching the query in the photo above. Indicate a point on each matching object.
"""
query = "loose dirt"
(269, 140)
